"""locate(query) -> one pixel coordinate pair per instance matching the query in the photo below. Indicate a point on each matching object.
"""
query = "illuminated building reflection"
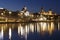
(26, 28)
(1, 34)
(39, 27)
(10, 34)
(32, 27)
(50, 27)
(58, 25)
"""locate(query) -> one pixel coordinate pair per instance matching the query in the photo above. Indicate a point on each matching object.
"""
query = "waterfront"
(30, 31)
(25, 25)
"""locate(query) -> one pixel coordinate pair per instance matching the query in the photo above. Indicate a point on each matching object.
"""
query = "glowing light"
(26, 13)
(42, 18)
(27, 29)
(9, 33)
(50, 12)
(22, 31)
(19, 29)
(10, 12)
(32, 27)
(1, 13)
(43, 26)
(50, 30)
(38, 27)
(52, 25)
(21, 12)
(1, 34)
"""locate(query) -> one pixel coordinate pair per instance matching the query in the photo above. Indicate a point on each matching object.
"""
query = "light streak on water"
(27, 29)
(10, 33)
(38, 27)
(1, 34)
(19, 29)
(58, 26)
(43, 26)
(32, 27)
(22, 31)
(50, 27)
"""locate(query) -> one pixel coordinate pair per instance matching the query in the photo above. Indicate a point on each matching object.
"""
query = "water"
(30, 31)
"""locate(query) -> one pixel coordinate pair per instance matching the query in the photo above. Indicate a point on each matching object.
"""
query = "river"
(30, 31)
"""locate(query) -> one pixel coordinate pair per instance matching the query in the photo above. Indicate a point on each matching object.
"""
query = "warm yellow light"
(50, 27)
(22, 31)
(27, 29)
(1, 34)
(31, 27)
(1, 13)
(10, 12)
(43, 26)
(38, 27)
(19, 29)
(10, 33)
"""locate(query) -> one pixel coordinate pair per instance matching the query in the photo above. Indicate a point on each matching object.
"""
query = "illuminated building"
(25, 16)
(41, 21)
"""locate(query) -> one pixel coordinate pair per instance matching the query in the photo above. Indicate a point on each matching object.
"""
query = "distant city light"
(2, 13)
(10, 12)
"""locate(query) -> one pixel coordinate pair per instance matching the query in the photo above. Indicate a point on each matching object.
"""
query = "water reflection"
(10, 33)
(23, 30)
(1, 34)
(31, 27)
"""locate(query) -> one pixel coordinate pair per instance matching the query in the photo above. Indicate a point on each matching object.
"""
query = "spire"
(42, 9)
(24, 8)
(50, 9)
(50, 12)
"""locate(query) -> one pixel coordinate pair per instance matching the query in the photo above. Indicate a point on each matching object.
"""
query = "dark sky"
(32, 5)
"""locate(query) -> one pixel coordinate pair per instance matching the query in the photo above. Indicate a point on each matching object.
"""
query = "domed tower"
(24, 8)
(42, 11)
(25, 11)
(50, 12)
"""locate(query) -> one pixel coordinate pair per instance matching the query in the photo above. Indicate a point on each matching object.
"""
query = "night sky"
(32, 5)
